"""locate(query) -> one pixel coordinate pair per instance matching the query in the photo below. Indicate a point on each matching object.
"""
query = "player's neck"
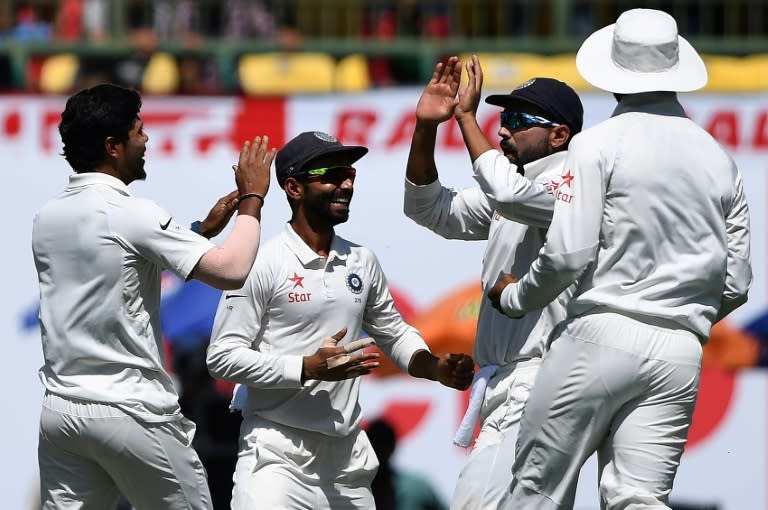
(318, 238)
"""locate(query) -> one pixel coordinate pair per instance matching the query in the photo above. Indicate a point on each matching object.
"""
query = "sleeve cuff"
(508, 302)
(292, 370)
(423, 190)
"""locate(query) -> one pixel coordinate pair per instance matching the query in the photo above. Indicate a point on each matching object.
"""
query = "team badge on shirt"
(526, 84)
(354, 283)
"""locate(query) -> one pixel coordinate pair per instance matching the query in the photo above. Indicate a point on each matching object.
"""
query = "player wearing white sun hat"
(656, 234)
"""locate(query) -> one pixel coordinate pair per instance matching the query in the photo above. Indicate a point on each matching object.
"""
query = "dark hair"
(91, 116)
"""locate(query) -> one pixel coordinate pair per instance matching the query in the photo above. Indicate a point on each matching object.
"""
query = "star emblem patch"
(298, 281)
(567, 178)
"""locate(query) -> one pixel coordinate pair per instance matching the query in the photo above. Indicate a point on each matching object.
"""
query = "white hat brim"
(594, 63)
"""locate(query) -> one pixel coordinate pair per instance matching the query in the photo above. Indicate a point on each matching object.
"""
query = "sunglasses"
(335, 174)
(520, 120)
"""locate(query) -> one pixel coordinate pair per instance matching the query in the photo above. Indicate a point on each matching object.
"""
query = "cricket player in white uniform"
(283, 336)
(653, 223)
(111, 421)
(537, 122)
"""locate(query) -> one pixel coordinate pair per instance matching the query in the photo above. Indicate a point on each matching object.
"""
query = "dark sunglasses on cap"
(520, 120)
(331, 173)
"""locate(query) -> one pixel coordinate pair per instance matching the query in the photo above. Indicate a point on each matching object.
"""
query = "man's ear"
(559, 136)
(293, 188)
(111, 145)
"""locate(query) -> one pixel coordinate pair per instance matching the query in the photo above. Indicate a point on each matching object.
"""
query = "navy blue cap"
(294, 157)
(558, 101)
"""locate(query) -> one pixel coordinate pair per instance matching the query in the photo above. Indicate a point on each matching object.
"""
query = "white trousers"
(281, 467)
(619, 386)
(487, 474)
(90, 453)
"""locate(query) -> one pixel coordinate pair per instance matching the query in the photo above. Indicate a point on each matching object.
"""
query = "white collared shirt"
(653, 214)
(469, 214)
(99, 252)
(292, 300)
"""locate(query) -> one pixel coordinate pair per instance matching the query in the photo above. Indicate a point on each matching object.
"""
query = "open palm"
(438, 101)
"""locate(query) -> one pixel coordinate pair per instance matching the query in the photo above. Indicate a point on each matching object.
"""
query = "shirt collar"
(536, 168)
(306, 255)
(656, 103)
(90, 178)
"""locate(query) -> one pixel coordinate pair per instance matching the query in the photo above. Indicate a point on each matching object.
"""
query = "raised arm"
(436, 105)
(227, 266)
(466, 111)
(219, 215)
(453, 214)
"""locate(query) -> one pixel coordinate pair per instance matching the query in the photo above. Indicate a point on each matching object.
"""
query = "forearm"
(516, 197)
(451, 213)
(548, 276)
(227, 266)
(423, 365)
(474, 138)
(421, 168)
(241, 364)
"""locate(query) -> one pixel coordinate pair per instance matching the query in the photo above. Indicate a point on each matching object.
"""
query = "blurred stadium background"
(214, 72)
(297, 46)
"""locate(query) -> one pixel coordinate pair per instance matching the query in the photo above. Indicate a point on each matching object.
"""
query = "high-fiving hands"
(438, 101)
(469, 96)
(219, 215)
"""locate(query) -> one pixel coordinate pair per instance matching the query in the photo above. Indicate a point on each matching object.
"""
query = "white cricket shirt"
(469, 214)
(292, 300)
(652, 211)
(99, 253)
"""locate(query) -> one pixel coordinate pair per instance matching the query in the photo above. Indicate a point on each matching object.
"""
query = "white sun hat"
(641, 52)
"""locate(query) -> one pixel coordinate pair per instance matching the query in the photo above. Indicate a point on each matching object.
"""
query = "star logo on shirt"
(298, 281)
(552, 186)
(567, 178)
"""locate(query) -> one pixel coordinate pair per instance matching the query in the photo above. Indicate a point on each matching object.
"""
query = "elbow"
(214, 364)
(222, 272)
(232, 279)
(410, 212)
(233, 282)
(574, 267)
(504, 196)
(571, 263)
(739, 300)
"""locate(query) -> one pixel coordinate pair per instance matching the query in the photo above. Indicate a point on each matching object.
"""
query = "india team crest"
(354, 283)
(526, 84)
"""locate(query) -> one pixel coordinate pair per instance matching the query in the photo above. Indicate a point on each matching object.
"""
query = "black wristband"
(252, 195)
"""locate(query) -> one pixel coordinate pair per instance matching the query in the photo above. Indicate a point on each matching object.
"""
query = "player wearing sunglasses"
(288, 335)
(537, 123)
